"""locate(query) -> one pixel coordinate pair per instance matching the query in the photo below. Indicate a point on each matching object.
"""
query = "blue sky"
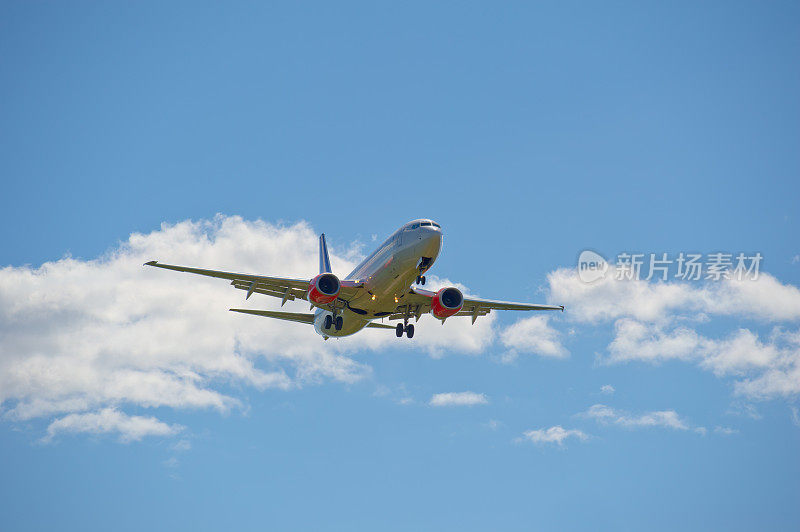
(529, 132)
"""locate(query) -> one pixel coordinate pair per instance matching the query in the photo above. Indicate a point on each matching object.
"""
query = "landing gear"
(421, 279)
(408, 329)
(330, 321)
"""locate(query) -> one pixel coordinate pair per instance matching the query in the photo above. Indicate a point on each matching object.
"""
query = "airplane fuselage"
(387, 274)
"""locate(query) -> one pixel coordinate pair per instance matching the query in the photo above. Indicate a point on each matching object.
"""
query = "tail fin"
(324, 261)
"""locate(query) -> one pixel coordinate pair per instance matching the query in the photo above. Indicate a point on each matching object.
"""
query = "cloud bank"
(84, 340)
(654, 322)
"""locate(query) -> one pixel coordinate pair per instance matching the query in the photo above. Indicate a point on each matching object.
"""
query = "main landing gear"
(337, 323)
(408, 329)
(421, 279)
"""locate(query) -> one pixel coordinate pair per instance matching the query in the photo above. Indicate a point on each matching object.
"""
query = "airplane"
(381, 287)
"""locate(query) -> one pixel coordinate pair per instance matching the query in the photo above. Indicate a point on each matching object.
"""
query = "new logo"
(591, 266)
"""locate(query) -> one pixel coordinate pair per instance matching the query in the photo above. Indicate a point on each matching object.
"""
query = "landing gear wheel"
(328, 322)
(399, 330)
(410, 330)
(423, 279)
(419, 279)
(339, 323)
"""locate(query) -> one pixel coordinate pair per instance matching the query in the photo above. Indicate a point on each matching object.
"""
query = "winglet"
(151, 263)
(324, 261)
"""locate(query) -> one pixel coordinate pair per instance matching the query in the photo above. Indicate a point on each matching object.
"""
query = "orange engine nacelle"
(446, 302)
(324, 289)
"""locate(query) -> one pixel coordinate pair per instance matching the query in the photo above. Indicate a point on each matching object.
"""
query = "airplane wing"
(418, 302)
(297, 316)
(284, 288)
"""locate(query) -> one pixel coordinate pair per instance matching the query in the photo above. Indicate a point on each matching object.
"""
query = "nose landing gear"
(421, 279)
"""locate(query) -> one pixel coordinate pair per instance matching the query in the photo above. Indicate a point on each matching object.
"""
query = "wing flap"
(263, 284)
(284, 292)
(507, 305)
(417, 302)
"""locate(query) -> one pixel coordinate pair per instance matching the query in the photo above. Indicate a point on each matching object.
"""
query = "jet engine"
(324, 289)
(446, 302)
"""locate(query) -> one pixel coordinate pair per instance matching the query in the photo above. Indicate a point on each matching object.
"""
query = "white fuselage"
(387, 274)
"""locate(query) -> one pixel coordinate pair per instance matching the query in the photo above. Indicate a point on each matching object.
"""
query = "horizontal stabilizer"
(288, 316)
(373, 325)
(298, 317)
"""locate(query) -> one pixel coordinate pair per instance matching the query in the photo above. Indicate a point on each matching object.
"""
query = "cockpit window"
(425, 223)
(436, 225)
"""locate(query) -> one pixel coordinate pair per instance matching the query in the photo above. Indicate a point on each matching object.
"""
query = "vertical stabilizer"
(324, 261)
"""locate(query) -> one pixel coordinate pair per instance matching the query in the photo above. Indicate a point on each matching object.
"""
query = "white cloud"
(740, 353)
(765, 298)
(111, 421)
(532, 335)
(82, 336)
(608, 299)
(725, 431)
(607, 389)
(765, 369)
(556, 435)
(635, 340)
(660, 418)
(653, 322)
(458, 399)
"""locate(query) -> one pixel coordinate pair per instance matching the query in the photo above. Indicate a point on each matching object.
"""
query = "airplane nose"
(431, 242)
